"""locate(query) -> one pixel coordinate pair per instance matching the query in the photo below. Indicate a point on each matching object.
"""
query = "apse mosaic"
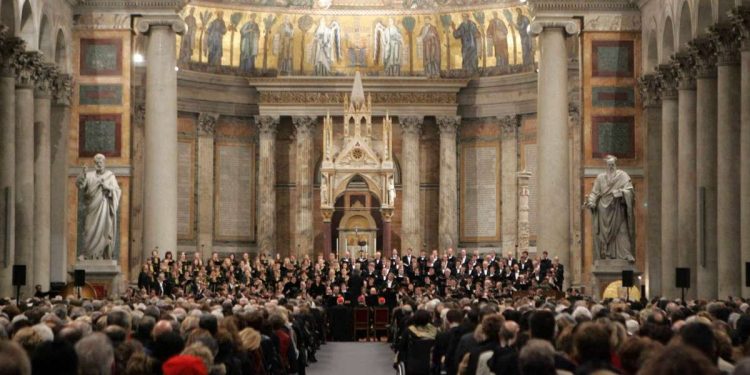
(486, 40)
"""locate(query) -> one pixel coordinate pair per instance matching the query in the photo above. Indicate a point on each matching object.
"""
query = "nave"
(353, 357)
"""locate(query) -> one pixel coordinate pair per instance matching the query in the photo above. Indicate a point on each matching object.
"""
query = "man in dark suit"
(453, 318)
(161, 286)
(354, 286)
(545, 264)
(559, 273)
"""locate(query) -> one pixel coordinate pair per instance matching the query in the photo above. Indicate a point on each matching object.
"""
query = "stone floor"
(352, 358)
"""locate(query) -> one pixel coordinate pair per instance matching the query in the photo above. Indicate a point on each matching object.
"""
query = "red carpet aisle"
(353, 358)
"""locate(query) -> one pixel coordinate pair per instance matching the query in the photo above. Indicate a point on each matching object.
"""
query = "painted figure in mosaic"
(188, 39)
(522, 24)
(326, 47)
(390, 44)
(469, 35)
(283, 46)
(611, 202)
(214, 38)
(429, 38)
(101, 198)
(497, 36)
(249, 36)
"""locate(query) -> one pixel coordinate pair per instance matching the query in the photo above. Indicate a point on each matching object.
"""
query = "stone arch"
(372, 185)
(724, 7)
(652, 52)
(685, 26)
(8, 14)
(46, 42)
(28, 27)
(61, 51)
(704, 17)
(667, 41)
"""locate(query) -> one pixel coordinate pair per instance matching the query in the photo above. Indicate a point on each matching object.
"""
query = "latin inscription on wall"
(480, 199)
(185, 185)
(235, 208)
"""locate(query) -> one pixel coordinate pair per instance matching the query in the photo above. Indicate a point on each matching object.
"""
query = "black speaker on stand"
(627, 282)
(80, 280)
(682, 279)
(19, 280)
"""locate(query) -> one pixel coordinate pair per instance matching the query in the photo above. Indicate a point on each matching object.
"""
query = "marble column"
(304, 126)
(10, 47)
(267, 127)
(42, 108)
(509, 182)
(448, 205)
(553, 167)
(524, 231)
(649, 87)
(327, 232)
(206, 130)
(686, 188)
(411, 238)
(741, 20)
(730, 266)
(669, 117)
(705, 156)
(160, 137)
(26, 65)
(59, 125)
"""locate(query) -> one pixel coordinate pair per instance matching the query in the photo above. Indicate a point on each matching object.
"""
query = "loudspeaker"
(747, 274)
(627, 278)
(682, 277)
(80, 277)
(19, 275)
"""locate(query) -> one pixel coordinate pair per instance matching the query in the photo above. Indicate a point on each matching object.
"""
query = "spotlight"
(138, 58)
(176, 69)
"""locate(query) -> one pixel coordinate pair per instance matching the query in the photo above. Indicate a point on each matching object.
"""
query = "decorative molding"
(578, 6)
(137, 6)
(26, 66)
(144, 24)
(207, 123)
(448, 124)
(649, 86)
(667, 76)
(102, 21)
(334, 98)
(612, 22)
(411, 124)
(62, 89)
(726, 39)
(571, 26)
(704, 55)
(118, 170)
(267, 125)
(595, 171)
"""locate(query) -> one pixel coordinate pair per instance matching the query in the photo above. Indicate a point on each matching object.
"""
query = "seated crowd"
(272, 317)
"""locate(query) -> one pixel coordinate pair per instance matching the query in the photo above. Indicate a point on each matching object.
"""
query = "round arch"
(685, 26)
(61, 51)
(28, 27)
(372, 186)
(667, 41)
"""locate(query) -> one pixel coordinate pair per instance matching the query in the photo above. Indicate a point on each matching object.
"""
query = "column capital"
(139, 114)
(448, 124)
(62, 88)
(10, 47)
(26, 66)
(571, 26)
(267, 125)
(684, 64)
(704, 55)
(207, 123)
(667, 76)
(509, 125)
(649, 86)
(740, 19)
(411, 124)
(304, 125)
(726, 39)
(173, 21)
(45, 78)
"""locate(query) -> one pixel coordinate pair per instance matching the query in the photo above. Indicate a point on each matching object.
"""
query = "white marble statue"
(391, 191)
(611, 202)
(324, 191)
(101, 198)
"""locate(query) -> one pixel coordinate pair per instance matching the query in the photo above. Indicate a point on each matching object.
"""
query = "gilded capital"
(411, 124)
(448, 124)
(145, 23)
(267, 125)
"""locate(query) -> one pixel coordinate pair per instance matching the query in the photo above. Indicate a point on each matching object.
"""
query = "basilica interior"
(309, 127)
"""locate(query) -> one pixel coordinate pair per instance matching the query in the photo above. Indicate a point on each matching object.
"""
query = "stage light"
(138, 58)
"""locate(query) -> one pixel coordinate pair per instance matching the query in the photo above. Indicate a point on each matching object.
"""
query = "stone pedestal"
(103, 275)
(606, 271)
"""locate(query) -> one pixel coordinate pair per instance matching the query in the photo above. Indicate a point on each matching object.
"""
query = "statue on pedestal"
(391, 191)
(611, 202)
(101, 198)
(324, 191)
